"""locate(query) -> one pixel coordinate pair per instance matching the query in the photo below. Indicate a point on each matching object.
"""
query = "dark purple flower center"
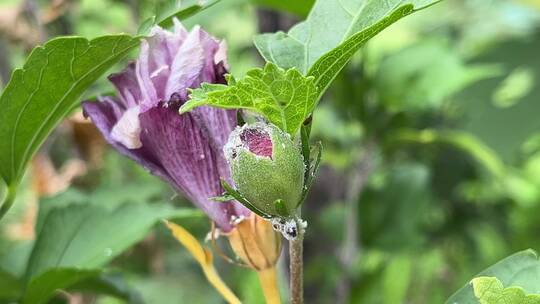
(258, 142)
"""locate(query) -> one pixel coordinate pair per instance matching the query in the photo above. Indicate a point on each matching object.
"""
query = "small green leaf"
(285, 98)
(397, 278)
(166, 12)
(311, 172)
(305, 132)
(489, 290)
(10, 288)
(222, 199)
(518, 84)
(334, 30)
(298, 7)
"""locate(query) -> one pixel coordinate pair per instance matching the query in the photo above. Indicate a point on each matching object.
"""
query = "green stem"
(296, 248)
(8, 200)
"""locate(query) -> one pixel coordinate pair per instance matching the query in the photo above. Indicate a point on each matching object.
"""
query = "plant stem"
(268, 279)
(296, 265)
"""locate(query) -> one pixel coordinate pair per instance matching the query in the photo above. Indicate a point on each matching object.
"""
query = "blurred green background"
(431, 170)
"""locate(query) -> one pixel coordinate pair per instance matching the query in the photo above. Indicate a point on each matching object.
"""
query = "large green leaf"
(334, 30)
(90, 236)
(107, 197)
(46, 89)
(285, 98)
(521, 269)
(75, 241)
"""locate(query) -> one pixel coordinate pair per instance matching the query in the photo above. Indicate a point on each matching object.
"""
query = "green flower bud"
(267, 168)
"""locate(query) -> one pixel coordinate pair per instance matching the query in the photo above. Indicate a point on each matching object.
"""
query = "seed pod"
(267, 168)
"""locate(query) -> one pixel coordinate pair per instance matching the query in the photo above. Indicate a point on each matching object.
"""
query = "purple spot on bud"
(258, 142)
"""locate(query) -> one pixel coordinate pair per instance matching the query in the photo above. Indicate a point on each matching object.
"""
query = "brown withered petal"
(256, 243)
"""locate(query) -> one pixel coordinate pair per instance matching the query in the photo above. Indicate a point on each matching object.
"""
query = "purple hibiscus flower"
(143, 122)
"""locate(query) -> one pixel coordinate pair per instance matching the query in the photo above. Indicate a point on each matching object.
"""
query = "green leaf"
(334, 30)
(298, 7)
(113, 284)
(311, 172)
(425, 74)
(107, 197)
(43, 287)
(166, 12)
(46, 89)
(397, 278)
(521, 269)
(517, 85)
(489, 290)
(285, 98)
(222, 199)
(10, 286)
(461, 140)
(90, 236)
(83, 238)
(398, 208)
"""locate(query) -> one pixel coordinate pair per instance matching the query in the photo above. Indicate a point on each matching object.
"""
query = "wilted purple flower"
(143, 122)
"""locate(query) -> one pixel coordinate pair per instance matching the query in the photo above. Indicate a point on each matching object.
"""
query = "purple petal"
(127, 85)
(187, 155)
(186, 65)
(211, 47)
(104, 114)
(127, 129)
(221, 55)
(148, 92)
(219, 124)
